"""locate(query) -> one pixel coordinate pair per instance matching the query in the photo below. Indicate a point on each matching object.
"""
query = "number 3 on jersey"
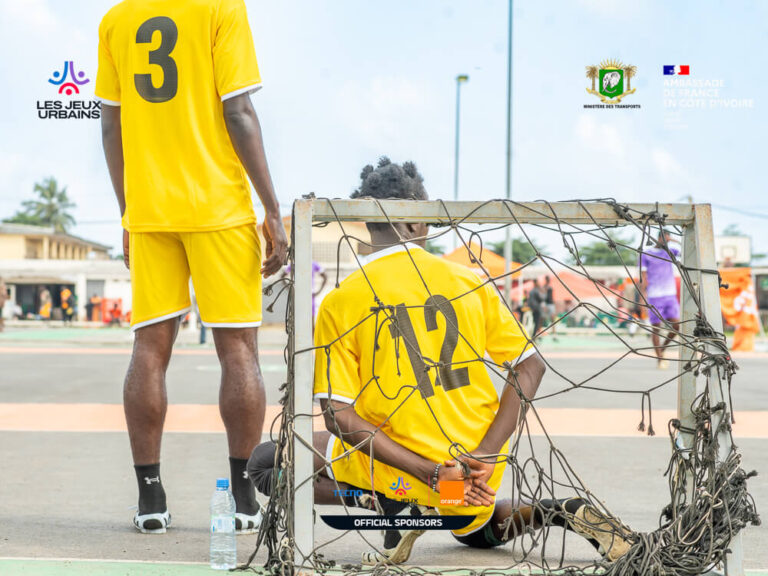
(160, 56)
(447, 377)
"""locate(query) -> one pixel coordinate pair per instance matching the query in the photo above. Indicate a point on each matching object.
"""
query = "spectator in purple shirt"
(660, 287)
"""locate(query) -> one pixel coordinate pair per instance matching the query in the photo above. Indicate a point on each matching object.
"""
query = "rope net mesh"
(708, 501)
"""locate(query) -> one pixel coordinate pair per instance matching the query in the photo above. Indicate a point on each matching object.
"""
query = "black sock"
(151, 491)
(242, 487)
(568, 505)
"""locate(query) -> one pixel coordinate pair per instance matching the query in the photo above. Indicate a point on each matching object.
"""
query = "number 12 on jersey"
(402, 327)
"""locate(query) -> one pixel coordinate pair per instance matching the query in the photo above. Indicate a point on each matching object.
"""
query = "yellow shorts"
(355, 469)
(224, 266)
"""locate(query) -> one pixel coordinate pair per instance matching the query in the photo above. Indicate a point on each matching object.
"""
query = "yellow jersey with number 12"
(169, 65)
(415, 366)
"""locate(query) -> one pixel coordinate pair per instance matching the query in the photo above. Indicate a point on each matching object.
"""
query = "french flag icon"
(677, 70)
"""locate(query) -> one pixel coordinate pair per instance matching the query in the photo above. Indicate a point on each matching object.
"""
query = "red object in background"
(111, 310)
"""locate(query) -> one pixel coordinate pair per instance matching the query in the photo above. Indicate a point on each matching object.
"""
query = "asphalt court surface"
(68, 494)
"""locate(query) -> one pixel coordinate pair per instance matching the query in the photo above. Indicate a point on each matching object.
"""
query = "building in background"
(35, 260)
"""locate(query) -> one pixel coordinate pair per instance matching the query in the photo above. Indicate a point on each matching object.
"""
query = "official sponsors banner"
(349, 522)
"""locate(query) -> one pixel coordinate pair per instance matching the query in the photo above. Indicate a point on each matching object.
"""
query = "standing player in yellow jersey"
(181, 139)
(400, 370)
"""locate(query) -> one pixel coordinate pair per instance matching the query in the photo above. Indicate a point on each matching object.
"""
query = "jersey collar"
(387, 251)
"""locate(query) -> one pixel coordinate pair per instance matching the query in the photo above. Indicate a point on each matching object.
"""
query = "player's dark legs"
(658, 346)
(242, 403)
(144, 396)
(261, 467)
(674, 324)
(522, 518)
(145, 403)
(324, 486)
(656, 340)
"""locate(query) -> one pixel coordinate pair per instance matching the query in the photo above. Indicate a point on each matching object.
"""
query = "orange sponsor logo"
(451, 492)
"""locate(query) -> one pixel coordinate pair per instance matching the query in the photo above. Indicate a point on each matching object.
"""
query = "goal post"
(698, 258)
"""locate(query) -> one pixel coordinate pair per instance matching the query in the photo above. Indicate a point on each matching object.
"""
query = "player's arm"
(112, 140)
(344, 422)
(643, 282)
(245, 132)
(525, 377)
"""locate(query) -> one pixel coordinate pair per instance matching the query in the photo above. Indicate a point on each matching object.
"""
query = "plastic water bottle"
(223, 543)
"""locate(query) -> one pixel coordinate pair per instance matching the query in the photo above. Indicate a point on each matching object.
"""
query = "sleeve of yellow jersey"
(506, 339)
(337, 374)
(107, 79)
(234, 56)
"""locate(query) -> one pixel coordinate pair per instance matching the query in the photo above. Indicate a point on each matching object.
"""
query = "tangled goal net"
(707, 503)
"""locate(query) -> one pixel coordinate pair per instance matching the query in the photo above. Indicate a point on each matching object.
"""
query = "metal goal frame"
(698, 257)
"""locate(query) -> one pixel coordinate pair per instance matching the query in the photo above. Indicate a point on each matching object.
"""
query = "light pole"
(460, 79)
(507, 235)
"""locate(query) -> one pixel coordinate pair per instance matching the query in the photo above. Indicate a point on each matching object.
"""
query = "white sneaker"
(398, 543)
(248, 524)
(152, 523)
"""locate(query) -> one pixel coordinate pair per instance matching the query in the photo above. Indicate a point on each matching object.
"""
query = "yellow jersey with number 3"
(386, 362)
(169, 65)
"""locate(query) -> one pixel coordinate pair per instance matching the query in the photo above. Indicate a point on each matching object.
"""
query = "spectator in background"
(67, 304)
(46, 304)
(535, 303)
(116, 315)
(549, 305)
(658, 283)
(3, 298)
(95, 303)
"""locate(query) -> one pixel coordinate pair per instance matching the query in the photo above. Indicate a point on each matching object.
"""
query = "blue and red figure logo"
(400, 487)
(76, 79)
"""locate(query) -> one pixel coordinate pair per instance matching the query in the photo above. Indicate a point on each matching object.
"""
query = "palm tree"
(592, 75)
(629, 73)
(50, 209)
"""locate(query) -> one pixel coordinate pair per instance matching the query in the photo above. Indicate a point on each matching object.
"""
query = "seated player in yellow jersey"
(181, 140)
(401, 372)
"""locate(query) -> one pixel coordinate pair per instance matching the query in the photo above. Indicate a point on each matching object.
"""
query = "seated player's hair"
(390, 181)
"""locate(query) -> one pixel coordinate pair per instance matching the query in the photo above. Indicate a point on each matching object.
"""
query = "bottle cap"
(222, 483)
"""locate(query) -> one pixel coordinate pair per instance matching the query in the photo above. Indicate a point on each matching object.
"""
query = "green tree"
(601, 253)
(50, 208)
(522, 251)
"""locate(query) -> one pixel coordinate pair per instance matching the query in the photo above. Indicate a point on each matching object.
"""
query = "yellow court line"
(205, 418)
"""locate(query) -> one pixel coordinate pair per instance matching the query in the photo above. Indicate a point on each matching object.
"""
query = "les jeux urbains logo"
(613, 82)
(68, 84)
(400, 486)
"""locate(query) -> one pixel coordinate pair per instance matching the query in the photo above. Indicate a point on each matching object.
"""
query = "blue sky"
(346, 81)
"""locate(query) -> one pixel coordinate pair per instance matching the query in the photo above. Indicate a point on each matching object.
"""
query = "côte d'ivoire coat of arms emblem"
(611, 77)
